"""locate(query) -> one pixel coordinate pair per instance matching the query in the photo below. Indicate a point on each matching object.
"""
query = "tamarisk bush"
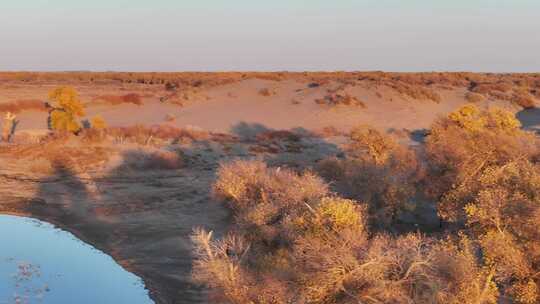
(489, 186)
(377, 170)
(295, 242)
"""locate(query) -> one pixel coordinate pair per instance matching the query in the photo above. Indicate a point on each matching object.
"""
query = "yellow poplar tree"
(67, 107)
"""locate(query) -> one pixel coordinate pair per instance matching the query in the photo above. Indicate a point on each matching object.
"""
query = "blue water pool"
(40, 263)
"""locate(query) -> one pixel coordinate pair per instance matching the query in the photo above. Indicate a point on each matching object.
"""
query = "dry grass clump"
(517, 92)
(524, 99)
(278, 135)
(23, 105)
(340, 98)
(132, 98)
(487, 88)
(266, 92)
(60, 154)
(293, 242)
(473, 97)
(145, 135)
(154, 160)
(170, 117)
(96, 131)
(276, 141)
(262, 197)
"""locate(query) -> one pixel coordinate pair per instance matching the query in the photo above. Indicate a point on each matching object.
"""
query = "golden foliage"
(67, 107)
(67, 99)
(333, 215)
(64, 121)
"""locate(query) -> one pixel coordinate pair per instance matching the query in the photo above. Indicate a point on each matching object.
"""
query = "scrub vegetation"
(299, 238)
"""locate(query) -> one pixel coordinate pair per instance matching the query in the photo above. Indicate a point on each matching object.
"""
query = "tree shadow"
(141, 213)
(248, 131)
(419, 135)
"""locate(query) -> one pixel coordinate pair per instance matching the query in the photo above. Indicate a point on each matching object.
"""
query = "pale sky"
(273, 35)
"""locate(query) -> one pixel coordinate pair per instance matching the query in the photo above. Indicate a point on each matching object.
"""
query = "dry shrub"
(519, 94)
(415, 91)
(63, 153)
(461, 145)
(145, 135)
(278, 135)
(267, 92)
(488, 88)
(483, 172)
(23, 105)
(154, 160)
(132, 98)
(524, 99)
(96, 133)
(293, 242)
(503, 212)
(340, 98)
(262, 197)
(378, 171)
(329, 131)
(473, 97)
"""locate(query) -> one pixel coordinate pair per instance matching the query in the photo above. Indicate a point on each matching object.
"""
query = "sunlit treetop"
(67, 99)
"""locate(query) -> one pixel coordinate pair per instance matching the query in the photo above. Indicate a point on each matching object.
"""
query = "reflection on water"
(42, 264)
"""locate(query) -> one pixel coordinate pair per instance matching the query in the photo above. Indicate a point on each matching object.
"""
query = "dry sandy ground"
(143, 218)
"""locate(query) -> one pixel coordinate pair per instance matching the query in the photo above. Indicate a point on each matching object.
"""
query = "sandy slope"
(221, 108)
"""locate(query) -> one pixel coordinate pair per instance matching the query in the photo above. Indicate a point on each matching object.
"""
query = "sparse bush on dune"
(267, 92)
(415, 91)
(517, 93)
(473, 97)
(340, 98)
(96, 131)
(144, 135)
(524, 99)
(154, 160)
(132, 98)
